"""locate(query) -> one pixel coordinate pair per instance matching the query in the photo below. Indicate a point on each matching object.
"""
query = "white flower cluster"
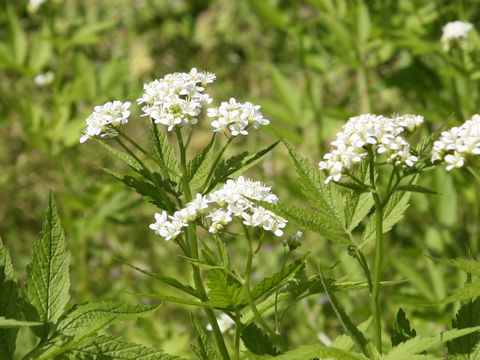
(230, 200)
(455, 31)
(34, 5)
(368, 129)
(236, 117)
(106, 119)
(44, 79)
(177, 98)
(457, 143)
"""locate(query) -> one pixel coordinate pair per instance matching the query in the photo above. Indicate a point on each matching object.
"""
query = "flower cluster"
(44, 79)
(236, 117)
(177, 98)
(455, 31)
(231, 200)
(106, 120)
(457, 143)
(350, 146)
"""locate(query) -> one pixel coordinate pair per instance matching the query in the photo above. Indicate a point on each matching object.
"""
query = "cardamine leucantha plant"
(357, 193)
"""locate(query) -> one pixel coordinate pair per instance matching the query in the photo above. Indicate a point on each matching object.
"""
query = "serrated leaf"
(346, 322)
(224, 290)
(314, 351)
(420, 344)
(401, 329)
(257, 341)
(307, 220)
(8, 303)
(203, 350)
(115, 348)
(198, 168)
(13, 323)
(272, 282)
(165, 154)
(469, 291)
(324, 197)
(47, 286)
(123, 157)
(467, 316)
(86, 317)
(469, 266)
(344, 342)
(168, 281)
(358, 206)
(236, 165)
(392, 213)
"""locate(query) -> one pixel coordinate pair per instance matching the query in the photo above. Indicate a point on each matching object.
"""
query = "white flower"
(44, 79)
(106, 119)
(224, 322)
(177, 98)
(160, 221)
(456, 144)
(236, 117)
(349, 148)
(34, 5)
(456, 31)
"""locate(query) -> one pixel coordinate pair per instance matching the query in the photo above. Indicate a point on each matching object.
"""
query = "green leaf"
(165, 155)
(225, 291)
(392, 213)
(401, 329)
(416, 188)
(8, 304)
(314, 351)
(236, 165)
(358, 206)
(347, 324)
(469, 291)
(47, 286)
(168, 281)
(115, 348)
(344, 342)
(286, 274)
(18, 38)
(286, 92)
(307, 220)
(12, 323)
(324, 197)
(86, 317)
(203, 350)
(199, 167)
(257, 341)
(469, 266)
(420, 344)
(467, 316)
(123, 157)
(270, 13)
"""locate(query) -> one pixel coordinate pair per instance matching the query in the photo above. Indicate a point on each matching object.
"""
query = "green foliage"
(203, 349)
(315, 351)
(257, 341)
(465, 347)
(401, 329)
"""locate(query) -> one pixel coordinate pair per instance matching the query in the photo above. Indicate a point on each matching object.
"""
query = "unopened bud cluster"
(231, 200)
(456, 144)
(350, 146)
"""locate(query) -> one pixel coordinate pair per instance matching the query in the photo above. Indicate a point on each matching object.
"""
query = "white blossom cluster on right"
(456, 144)
(231, 200)
(456, 31)
(349, 148)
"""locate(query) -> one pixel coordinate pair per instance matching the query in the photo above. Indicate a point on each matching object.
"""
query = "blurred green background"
(311, 65)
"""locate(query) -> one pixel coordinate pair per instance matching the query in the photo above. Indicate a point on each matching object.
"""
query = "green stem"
(238, 329)
(215, 163)
(251, 301)
(191, 237)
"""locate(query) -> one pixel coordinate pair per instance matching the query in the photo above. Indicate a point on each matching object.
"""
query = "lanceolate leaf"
(307, 220)
(468, 315)
(392, 213)
(314, 352)
(47, 286)
(8, 304)
(469, 266)
(123, 157)
(420, 344)
(12, 323)
(115, 348)
(358, 206)
(203, 350)
(469, 291)
(92, 315)
(257, 341)
(199, 167)
(165, 154)
(324, 197)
